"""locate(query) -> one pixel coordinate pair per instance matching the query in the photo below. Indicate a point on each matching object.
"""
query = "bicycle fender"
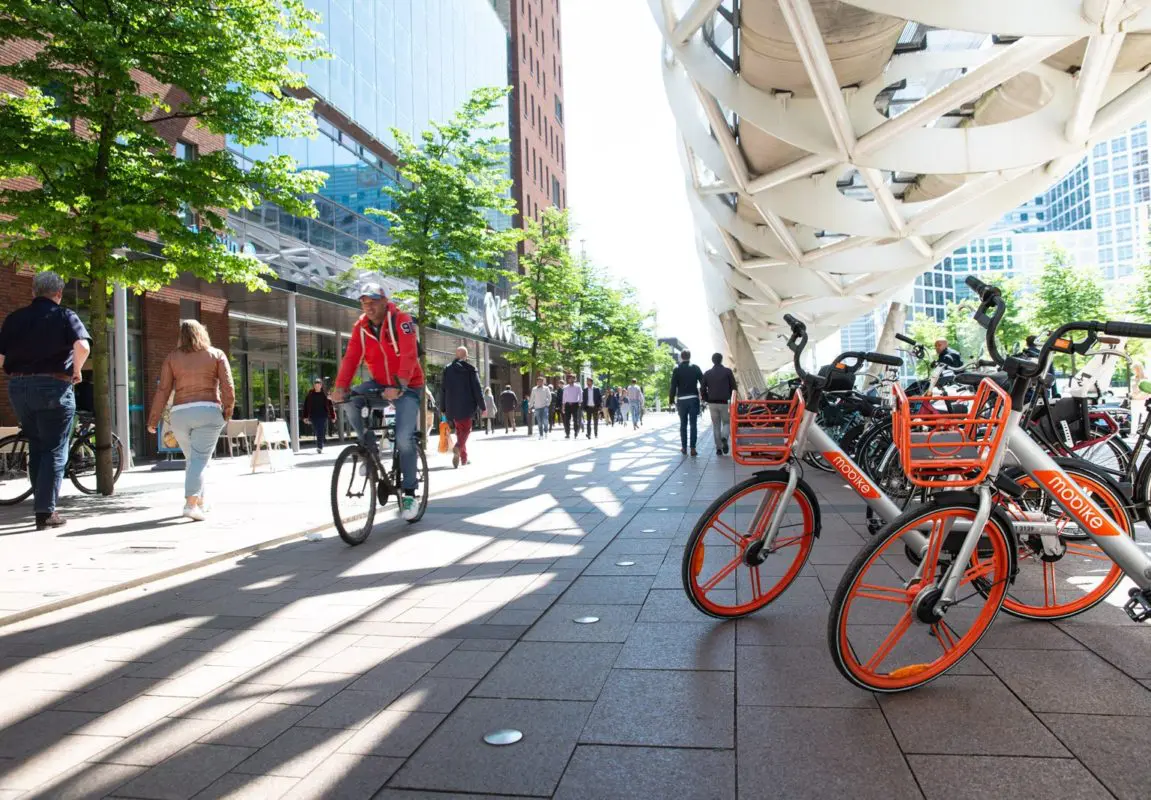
(783, 476)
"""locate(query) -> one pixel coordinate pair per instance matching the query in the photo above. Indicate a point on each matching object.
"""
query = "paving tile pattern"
(313, 670)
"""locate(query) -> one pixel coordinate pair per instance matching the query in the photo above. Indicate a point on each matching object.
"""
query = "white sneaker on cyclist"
(408, 507)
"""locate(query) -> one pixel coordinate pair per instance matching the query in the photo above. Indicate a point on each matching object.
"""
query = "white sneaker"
(408, 508)
(195, 512)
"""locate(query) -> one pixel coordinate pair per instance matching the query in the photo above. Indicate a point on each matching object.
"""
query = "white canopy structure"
(833, 150)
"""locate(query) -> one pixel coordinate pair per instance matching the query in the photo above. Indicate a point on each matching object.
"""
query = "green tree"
(925, 330)
(542, 309)
(83, 132)
(453, 180)
(1066, 292)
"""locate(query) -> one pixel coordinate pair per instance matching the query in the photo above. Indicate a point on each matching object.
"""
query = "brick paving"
(313, 670)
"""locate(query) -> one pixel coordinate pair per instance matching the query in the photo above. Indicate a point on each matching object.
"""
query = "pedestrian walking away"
(718, 389)
(198, 379)
(460, 399)
(684, 394)
(508, 403)
(526, 411)
(571, 400)
(635, 403)
(541, 403)
(385, 339)
(489, 410)
(947, 356)
(557, 411)
(43, 347)
(612, 403)
(319, 410)
(592, 401)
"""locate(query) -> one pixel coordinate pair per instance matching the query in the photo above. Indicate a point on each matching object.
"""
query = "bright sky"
(625, 183)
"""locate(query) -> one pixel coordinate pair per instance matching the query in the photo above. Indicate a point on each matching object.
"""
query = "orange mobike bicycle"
(903, 615)
(754, 539)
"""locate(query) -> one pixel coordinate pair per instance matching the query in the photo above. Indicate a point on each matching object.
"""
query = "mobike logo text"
(1071, 497)
(853, 475)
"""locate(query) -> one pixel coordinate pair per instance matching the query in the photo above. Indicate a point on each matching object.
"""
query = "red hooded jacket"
(391, 357)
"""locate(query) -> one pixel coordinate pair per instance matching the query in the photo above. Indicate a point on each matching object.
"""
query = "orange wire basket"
(762, 431)
(950, 449)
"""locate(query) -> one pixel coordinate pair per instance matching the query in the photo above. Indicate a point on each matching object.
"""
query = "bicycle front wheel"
(726, 572)
(354, 494)
(82, 462)
(421, 483)
(886, 631)
(15, 479)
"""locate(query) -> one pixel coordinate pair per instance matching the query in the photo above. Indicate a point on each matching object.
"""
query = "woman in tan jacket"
(202, 380)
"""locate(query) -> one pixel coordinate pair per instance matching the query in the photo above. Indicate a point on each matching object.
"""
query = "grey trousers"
(720, 423)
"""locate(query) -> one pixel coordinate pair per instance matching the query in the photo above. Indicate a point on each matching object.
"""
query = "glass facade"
(395, 63)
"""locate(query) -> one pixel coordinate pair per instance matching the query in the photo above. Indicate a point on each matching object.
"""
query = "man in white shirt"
(541, 402)
(571, 401)
(592, 401)
(635, 403)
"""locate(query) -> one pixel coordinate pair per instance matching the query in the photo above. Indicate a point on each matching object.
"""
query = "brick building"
(535, 72)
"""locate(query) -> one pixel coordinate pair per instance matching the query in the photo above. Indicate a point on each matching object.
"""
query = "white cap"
(373, 290)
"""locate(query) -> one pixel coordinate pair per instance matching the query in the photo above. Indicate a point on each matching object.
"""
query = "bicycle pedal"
(1139, 606)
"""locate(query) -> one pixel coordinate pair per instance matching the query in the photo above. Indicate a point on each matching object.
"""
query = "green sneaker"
(408, 507)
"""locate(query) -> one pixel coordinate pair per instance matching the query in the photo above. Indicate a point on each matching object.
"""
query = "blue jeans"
(45, 407)
(635, 409)
(688, 412)
(320, 428)
(541, 415)
(197, 429)
(407, 413)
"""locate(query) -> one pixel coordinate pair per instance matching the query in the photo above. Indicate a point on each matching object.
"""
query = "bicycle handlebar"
(1134, 330)
(906, 339)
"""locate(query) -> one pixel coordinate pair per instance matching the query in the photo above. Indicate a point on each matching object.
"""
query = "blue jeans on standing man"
(367, 395)
(541, 415)
(45, 407)
(688, 408)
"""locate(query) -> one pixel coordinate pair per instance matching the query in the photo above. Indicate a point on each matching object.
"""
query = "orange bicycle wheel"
(885, 632)
(1072, 574)
(726, 571)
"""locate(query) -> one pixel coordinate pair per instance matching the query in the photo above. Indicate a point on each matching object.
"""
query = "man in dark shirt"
(718, 387)
(43, 348)
(686, 380)
(947, 356)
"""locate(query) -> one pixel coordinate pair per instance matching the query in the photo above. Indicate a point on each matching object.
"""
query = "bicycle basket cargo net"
(949, 441)
(762, 431)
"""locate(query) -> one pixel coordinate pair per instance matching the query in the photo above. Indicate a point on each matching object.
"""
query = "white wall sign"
(272, 445)
(497, 320)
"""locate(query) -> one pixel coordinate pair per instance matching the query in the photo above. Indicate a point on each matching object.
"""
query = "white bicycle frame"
(1092, 520)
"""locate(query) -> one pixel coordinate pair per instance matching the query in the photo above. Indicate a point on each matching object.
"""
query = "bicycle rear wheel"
(82, 462)
(354, 494)
(15, 479)
(421, 483)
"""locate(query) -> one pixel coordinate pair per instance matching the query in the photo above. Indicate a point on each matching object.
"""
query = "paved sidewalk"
(314, 670)
(139, 531)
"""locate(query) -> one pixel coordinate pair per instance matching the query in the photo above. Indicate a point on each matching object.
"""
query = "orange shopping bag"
(445, 437)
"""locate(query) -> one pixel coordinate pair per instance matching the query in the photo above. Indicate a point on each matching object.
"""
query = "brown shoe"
(694, 453)
(46, 521)
(456, 456)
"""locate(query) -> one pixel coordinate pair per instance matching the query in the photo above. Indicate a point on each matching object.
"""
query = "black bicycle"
(360, 484)
(16, 478)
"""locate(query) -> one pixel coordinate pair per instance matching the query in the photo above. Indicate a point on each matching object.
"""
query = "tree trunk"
(421, 311)
(98, 291)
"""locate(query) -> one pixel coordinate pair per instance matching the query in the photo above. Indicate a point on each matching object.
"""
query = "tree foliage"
(454, 180)
(1066, 292)
(88, 172)
(543, 311)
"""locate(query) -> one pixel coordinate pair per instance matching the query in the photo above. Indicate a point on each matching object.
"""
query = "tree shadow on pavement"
(292, 653)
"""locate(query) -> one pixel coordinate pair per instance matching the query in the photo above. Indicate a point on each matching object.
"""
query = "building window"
(1141, 176)
(1119, 162)
(559, 111)
(1122, 216)
(1101, 167)
(1121, 180)
(1102, 184)
(186, 151)
(1126, 252)
(1100, 149)
(1106, 254)
(1122, 198)
(1119, 145)
(1103, 237)
(1105, 220)
(1123, 235)
(190, 309)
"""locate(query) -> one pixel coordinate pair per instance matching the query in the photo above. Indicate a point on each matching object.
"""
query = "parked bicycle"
(361, 483)
(15, 460)
(903, 615)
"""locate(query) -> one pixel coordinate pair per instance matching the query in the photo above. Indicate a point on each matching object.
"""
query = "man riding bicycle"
(384, 338)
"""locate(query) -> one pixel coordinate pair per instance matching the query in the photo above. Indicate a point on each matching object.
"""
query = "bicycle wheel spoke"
(728, 532)
(1086, 551)
(889, 643)
(934, 547)
(756, 588)
(885, 593)
(981, 569)
(945, 636)
(723, 573)
(782, 543)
